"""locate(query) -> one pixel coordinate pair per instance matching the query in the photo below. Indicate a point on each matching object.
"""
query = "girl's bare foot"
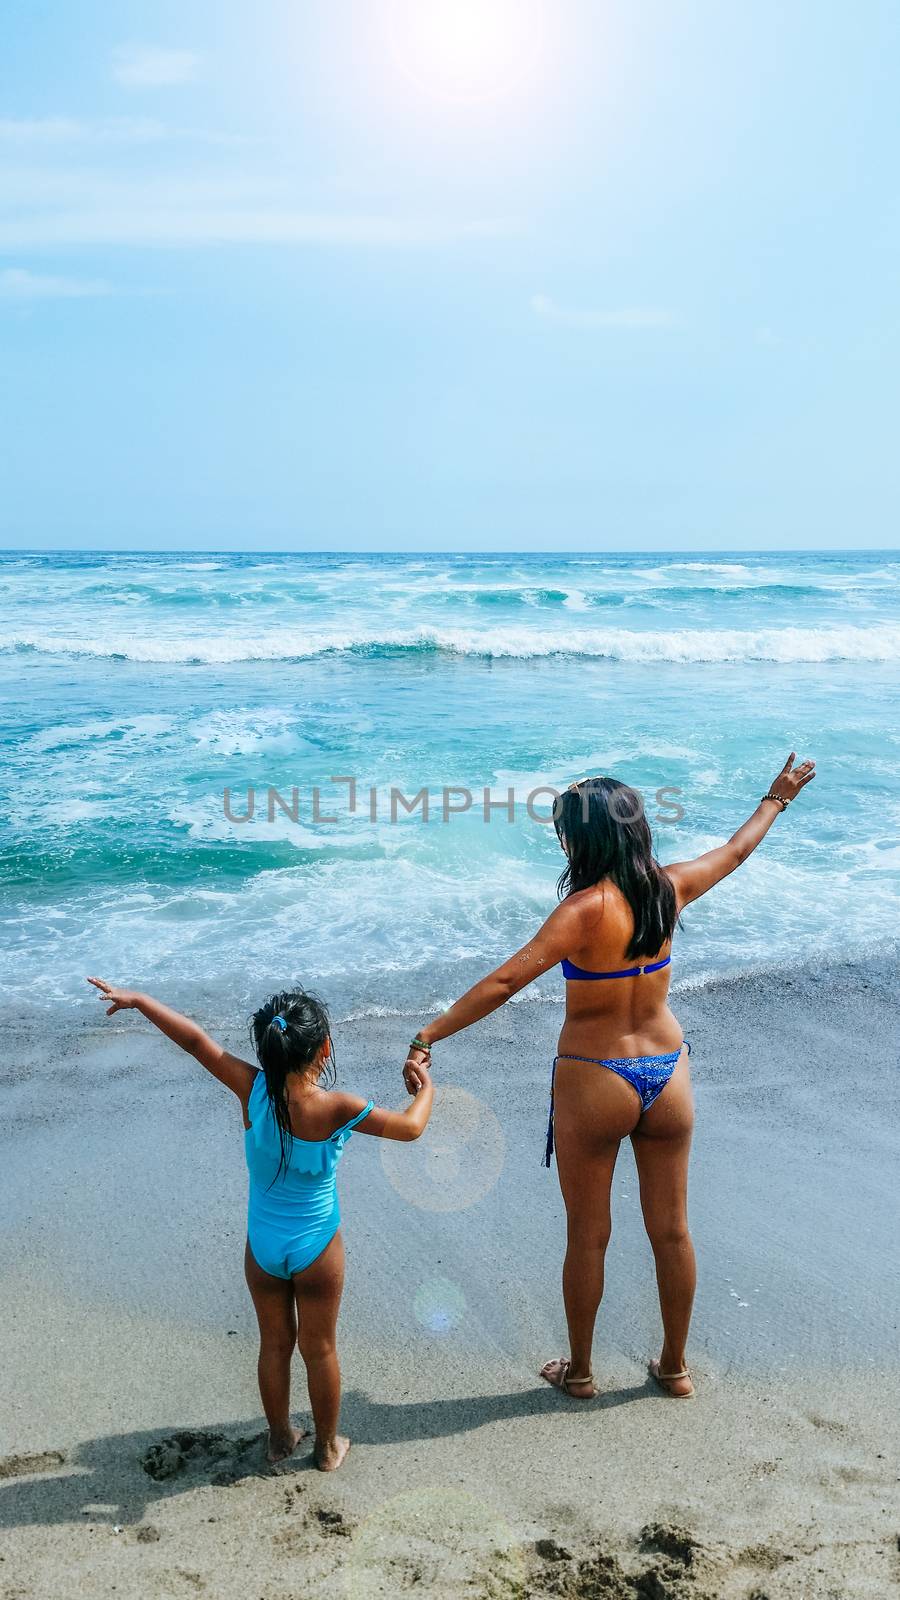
(331, 1453)
(282, 1445)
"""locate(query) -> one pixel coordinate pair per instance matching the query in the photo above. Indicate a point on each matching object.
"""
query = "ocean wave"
(879, 642)
(91, 600)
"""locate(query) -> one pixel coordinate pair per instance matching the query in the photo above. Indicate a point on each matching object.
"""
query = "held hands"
(122, 999)
(417, 1070)
(792, 779)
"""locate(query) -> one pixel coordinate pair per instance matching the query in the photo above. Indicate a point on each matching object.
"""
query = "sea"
(223, 774)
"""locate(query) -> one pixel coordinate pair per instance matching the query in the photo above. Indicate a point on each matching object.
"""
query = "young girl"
(295, 1132)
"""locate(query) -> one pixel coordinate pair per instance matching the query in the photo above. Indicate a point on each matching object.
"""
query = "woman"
(621, 1067)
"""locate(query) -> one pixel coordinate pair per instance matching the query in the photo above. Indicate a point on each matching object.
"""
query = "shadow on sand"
(115, 1479)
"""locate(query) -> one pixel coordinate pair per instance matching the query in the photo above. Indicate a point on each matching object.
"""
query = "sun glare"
(466, 50)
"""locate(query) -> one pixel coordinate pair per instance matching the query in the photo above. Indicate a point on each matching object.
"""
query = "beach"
(449, 519)
(130, 1454)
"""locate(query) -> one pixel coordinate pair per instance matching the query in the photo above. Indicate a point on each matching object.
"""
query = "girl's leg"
(273, 1302)
(662, 1143)
(318, 1290)
(594, 1110)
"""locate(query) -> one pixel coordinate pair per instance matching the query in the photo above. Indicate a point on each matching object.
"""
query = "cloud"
(143, 66)
(194, 228)
(68, 183)
(18, 284)
(627, 317)
(50, 132)
(62, 133)
(54, 208)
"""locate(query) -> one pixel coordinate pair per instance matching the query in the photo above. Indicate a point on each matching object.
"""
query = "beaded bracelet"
(779, 798)
(419, 1044)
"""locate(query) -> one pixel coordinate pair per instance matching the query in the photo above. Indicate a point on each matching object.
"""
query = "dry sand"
(130, 1452)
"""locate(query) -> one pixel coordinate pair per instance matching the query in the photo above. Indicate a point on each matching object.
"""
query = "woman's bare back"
(614, 1016)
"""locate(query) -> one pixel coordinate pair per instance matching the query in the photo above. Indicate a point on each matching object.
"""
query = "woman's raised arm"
(694, 878)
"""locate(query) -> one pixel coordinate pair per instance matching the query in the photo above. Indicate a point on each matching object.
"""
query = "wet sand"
(130, 1456)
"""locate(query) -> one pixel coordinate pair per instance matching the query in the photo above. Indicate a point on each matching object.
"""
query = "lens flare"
(439, 1305)
(426, 1541)
(458, 1159)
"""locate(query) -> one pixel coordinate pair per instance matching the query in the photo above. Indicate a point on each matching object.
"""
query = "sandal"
(563, 1379)
(664, 1379)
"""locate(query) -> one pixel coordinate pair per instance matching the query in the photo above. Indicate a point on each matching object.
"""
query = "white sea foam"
(243, 733)
(206, 820)
(725, 569)
(419, 935)
(72, 812)
(788, 645)
(66, 733)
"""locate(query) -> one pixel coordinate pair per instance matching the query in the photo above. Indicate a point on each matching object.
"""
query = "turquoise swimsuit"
(292, 1216)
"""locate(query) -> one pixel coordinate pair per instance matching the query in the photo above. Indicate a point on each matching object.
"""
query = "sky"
(449, 274)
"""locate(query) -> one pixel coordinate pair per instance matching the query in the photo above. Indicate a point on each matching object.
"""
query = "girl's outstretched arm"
(403, 1125)
(236, 1074)
(694, 878)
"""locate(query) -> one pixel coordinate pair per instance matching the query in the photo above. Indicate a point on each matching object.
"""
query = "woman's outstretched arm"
(236, 1074)
(694, 878)
(548, 946)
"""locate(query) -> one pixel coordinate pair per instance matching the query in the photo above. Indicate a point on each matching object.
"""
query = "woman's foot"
(676, 1382)
(282, 1444)
(557, 1374)
(331, 1453)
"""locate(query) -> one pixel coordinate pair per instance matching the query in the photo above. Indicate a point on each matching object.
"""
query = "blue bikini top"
(571, 971)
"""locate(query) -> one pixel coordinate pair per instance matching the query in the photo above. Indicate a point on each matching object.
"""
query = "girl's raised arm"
(694, 878)
(236, 1074)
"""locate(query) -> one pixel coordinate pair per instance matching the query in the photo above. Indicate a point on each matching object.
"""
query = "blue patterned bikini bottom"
(648, 1076)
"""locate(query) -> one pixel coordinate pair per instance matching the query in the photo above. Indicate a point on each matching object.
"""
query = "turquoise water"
(136, 688)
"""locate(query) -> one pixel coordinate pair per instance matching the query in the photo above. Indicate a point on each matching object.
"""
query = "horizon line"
(518, 555)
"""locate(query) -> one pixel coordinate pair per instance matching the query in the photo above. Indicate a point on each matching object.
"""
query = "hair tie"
(279, 1022)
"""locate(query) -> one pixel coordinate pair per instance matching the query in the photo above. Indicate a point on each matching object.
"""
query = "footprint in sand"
(29, 1466)
(190, 1450)
(827, 1424)
(668, 1539)
(333, 1522)
(765, 1557)
(301, 1540)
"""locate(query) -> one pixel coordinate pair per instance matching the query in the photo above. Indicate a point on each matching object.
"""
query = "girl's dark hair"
(288, 1032)
(604, 831)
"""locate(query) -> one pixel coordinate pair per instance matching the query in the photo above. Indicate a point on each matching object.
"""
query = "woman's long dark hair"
(604, 831)
(291, 1048)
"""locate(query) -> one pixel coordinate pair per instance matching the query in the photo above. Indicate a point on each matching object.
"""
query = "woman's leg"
(273, 1302)
(594, 1110)
(318, 1291)
(662, 1143)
